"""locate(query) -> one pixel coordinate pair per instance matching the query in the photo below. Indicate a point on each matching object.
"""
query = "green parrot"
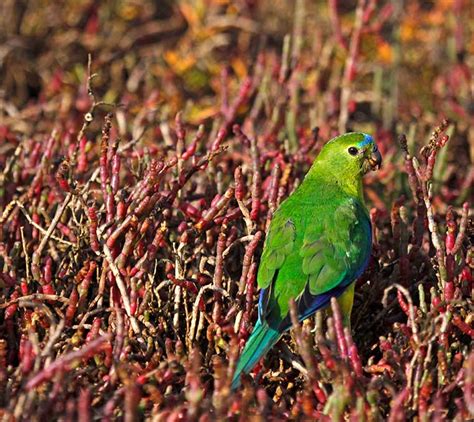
(318, 243)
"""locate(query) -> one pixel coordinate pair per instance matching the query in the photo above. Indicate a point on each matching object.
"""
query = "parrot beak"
(375, 159)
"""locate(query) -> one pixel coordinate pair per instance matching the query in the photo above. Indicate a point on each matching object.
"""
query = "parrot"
(318, 243)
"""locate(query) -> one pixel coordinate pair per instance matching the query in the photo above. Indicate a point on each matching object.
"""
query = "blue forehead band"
(366, 141)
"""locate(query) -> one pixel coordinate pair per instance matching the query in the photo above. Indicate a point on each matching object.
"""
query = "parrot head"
(346, 159)
(352, 154)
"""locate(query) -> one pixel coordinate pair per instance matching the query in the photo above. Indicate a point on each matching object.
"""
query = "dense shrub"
(136, 189)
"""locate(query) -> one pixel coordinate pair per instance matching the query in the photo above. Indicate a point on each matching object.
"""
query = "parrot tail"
(260, 342)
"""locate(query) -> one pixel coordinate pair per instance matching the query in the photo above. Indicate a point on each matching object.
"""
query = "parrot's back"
(325, 241)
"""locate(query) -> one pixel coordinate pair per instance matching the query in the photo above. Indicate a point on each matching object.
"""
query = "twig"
(122, 288)
(36, 296)
(41, 229)
(411, 309)
(197, 301)
(37, 253)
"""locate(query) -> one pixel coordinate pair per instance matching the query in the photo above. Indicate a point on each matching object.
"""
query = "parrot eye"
(353, 150)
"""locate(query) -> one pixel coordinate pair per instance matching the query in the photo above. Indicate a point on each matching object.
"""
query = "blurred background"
(410, 57)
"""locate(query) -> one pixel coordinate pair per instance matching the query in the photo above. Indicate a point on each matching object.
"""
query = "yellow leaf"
(385, 52)
(198, 114)
(190, 14)
(178, 63)
(239, 67)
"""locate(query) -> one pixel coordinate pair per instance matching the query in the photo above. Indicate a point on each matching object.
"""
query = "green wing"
(336, 248)
(278, 245)
(332, 250)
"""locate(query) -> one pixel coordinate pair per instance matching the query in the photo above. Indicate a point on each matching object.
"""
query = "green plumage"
(317, 244)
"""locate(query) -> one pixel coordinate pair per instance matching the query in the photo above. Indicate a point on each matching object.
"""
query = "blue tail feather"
(260, 342)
